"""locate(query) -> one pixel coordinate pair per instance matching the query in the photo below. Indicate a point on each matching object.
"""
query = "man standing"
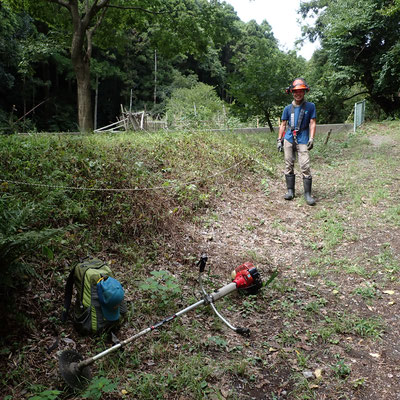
(296, 134)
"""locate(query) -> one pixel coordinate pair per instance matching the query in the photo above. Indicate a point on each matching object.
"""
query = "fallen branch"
(37, 105)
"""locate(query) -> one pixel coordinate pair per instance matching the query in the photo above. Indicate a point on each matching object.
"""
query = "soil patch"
(354, 283)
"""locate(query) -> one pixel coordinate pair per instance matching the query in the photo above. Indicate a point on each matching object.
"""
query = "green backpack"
(87, 313)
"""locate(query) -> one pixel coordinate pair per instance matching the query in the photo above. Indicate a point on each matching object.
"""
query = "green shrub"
(195, 107)
(18, 240)
(20, 244)
(98, 388)
(163, 288)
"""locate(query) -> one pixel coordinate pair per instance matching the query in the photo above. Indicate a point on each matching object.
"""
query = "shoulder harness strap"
(300, 119)
(68, 295)
(296, 129)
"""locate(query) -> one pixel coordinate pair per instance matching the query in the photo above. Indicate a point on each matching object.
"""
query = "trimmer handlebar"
(245, 278)
(202, 263)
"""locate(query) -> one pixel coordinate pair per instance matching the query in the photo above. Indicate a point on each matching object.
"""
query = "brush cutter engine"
(247, 278)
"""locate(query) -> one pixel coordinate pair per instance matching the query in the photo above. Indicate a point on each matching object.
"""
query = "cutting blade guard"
(76, 376)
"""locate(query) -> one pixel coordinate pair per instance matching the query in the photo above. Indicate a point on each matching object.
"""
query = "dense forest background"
(62, 61)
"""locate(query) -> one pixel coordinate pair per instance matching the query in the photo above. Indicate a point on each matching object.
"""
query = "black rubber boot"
(290, 181)
(307, 182)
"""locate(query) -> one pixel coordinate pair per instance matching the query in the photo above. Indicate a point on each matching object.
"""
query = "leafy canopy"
(360, 39)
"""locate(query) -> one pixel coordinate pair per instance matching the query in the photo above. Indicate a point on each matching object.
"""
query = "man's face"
(298, 95)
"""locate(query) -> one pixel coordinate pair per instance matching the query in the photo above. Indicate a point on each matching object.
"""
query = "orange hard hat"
(298, 84)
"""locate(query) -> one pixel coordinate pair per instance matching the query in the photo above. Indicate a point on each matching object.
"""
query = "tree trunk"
(267, 118)
(85, 117)
(83, 15)
(80, 57)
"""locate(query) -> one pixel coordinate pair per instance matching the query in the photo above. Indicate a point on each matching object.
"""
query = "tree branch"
(32, 109)
(138, 8)
(93, 30)
(90, 32)
(92, 11)
(354, 95)
(362, 49)
(63, 3)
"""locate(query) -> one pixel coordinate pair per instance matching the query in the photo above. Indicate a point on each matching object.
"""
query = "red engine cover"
(246, 265)
(243, 278)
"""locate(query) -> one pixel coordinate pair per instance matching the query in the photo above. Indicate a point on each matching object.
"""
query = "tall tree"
(22, 48)
(10, 26)
(361, 40)
(183, 26)
(80, 20)
(262, 73)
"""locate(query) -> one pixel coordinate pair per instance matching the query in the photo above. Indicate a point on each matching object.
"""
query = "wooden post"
(141, 120)
(327, 137)
(130, 103)
(155, 77)
(96, 102)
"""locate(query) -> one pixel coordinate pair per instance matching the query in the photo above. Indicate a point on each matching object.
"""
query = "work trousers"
(290, 156)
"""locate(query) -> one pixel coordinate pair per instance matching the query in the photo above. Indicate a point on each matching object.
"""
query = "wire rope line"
(164, 187)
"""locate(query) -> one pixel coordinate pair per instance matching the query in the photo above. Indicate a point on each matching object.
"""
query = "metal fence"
(359, 114)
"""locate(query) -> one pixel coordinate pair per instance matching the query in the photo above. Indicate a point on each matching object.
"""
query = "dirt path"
(329, 326)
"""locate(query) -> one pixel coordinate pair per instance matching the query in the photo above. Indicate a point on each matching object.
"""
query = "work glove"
(279, 144)
(310, 144)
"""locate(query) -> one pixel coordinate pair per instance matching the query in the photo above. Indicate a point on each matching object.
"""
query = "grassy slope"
(180, 165)
(181, 174)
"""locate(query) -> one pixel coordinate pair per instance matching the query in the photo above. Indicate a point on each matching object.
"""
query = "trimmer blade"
(76, 378)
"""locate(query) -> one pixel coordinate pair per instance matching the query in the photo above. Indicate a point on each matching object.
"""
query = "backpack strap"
(296, 129)
(68, 295)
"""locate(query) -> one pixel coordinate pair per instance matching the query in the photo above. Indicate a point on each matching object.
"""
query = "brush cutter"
(76, 371)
